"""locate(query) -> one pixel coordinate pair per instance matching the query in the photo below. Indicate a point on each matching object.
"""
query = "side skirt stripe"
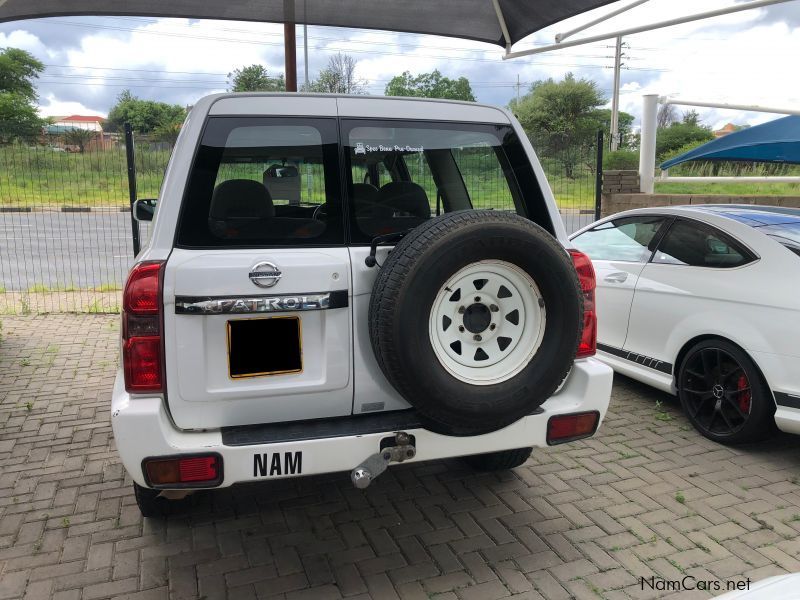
(639, 359)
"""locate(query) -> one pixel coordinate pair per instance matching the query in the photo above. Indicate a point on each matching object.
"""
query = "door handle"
(618, 277)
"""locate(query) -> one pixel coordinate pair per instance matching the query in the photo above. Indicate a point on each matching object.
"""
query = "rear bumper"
(781, 373)
(143, 429)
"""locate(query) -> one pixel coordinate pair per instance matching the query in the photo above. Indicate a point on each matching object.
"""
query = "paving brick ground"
(647, 497)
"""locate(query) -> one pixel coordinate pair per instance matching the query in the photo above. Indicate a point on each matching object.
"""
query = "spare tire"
(475, 319)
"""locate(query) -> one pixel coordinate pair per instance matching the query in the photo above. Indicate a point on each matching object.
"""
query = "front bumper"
(143, 429)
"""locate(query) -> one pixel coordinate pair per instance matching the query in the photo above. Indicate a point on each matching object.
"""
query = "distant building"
(92, 123)
(55, 132)
(728, 128)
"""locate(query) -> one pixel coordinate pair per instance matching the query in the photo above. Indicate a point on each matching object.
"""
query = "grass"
(729, 189)
(680, 498)
(38, 177)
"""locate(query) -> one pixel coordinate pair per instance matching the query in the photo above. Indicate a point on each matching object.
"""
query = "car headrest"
(406, 197)
(366, 200)
(241, 198)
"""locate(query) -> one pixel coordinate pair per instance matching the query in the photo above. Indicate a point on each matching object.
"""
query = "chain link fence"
(66, 239)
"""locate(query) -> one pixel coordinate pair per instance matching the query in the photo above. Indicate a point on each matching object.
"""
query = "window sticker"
(362, 148)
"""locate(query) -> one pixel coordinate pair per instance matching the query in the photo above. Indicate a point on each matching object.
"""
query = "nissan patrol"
(338, 283)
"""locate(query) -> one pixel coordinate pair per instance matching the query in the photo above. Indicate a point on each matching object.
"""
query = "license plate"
(276, 464)
(264, 346)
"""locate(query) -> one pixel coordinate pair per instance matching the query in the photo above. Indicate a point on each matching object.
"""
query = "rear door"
(257, 289)
(619, 250)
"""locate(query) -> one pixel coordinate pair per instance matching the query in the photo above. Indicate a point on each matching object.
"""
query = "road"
(60, 250)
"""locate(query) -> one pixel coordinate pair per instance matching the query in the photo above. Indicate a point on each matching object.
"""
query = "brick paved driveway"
(647, 497)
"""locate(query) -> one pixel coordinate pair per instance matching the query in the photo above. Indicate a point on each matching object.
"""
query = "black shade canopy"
(468, 19)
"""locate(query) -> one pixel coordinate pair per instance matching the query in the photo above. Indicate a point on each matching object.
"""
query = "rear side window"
(402, 173)
(699, 245)
(259, 182)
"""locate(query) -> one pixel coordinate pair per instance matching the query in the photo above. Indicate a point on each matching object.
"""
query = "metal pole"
(725, 105)
(305, 52)
(517, 91)
(130, 157)
(560, 37)
(650, 27)
(290, 45)
(647, 148)
(615, 97)
(598, 181)
(290, 56)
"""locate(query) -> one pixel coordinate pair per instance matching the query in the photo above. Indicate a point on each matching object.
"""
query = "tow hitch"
(393, 449)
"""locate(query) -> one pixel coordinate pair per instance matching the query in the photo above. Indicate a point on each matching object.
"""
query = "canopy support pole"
(560, 37)
(641, 28)
(290, 45)
(503, 27)
(647, 148)
(749, 107)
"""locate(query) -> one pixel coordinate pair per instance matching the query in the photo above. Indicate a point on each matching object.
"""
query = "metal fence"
(66, 236)
(65, 242)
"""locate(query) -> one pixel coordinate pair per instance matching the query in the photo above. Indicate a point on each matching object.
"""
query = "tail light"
(568, 428)
(588, 342)
(204, 470)
(142, 323)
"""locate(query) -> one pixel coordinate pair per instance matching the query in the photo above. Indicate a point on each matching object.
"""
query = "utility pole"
(517, 91)
(615, 96)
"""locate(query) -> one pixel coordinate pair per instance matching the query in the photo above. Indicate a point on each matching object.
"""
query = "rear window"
(402, 173)
(263, 182)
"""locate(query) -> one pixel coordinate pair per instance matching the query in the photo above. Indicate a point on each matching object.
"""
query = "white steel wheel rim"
(487, 322)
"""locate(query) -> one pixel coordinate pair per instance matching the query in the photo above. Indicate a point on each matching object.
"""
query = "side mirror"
(143, 210)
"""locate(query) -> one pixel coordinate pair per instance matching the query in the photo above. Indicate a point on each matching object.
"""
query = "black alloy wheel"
(723, 393)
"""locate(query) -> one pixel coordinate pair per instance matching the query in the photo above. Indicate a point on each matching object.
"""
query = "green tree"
(430, 85)
(561, 117)
(18, 69)
(687, 134)
(255, 78)
(624, 126)
(339, 77)
(145, 116)
(19, 119)
(79, 137)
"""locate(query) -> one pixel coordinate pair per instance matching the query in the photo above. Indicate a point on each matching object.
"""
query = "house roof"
(82, 119)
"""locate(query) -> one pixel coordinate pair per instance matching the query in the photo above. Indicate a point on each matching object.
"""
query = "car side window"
(699, 245)
(403, 173)
(625, 239)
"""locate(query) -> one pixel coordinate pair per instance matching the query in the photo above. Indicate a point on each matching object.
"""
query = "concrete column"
(647, 147)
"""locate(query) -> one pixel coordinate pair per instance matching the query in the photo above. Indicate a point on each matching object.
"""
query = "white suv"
(341, 283)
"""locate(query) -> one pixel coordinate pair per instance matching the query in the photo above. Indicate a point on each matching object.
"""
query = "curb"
(15, 209)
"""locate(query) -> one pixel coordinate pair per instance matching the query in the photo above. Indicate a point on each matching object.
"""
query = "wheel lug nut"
(492, 326)
(461, 310)
(461, 328)
(494, 308)
(477, 298)
(477, 338)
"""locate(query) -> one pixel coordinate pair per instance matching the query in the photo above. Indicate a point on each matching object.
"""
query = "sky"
(742, 58)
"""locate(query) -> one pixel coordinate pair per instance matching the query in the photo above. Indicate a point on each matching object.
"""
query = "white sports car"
(703, 301)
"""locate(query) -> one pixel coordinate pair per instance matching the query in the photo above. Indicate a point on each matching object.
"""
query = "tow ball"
(392, 449)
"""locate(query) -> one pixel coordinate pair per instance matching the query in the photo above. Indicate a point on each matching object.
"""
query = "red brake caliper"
(742, 385)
